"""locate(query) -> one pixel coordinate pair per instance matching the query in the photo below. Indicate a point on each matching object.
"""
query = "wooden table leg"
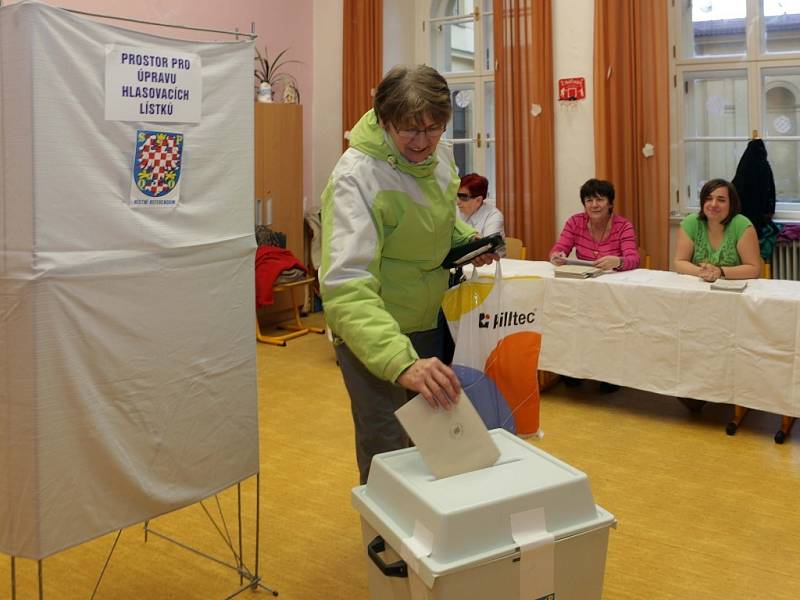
(738, 416)
(786, 427)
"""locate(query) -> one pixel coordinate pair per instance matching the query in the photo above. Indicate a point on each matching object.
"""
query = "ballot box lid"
(468, 518)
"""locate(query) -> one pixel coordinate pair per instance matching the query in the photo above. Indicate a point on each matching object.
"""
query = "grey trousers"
(373, 401)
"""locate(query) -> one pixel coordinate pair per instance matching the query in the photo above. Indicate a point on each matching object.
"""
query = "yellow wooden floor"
(701, 515)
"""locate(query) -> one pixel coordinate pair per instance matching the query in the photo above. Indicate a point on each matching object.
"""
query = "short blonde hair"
(409, 93)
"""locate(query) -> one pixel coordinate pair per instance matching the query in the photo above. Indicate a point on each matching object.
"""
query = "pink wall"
(278, 23)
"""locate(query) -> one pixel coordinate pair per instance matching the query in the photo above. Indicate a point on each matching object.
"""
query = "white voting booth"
(127, 360)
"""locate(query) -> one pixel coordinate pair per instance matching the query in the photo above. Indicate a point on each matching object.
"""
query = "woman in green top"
(718, 241)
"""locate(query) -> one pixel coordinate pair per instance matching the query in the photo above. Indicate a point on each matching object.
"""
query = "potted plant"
(268, 73)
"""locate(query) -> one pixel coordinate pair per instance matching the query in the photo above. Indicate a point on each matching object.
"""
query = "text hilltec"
(505, 319)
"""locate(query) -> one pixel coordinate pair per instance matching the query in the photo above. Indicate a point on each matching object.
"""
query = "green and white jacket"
(387, 224)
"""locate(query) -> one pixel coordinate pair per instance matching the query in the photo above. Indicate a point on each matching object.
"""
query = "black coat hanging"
(756, 185)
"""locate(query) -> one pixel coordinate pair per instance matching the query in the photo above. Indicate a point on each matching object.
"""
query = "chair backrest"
(644, 258)
(515, 249)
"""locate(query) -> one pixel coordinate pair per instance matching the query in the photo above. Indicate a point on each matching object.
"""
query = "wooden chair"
(644, 258)
(295, 326)
(515, 249)
(739, 412)
(547, 380)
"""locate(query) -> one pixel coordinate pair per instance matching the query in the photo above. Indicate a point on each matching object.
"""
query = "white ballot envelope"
(450, 441)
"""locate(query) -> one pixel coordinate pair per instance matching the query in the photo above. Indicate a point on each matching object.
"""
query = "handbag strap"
(498, 273)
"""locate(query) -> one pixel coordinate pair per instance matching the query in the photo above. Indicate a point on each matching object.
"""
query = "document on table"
(579, 262)
(577, 272)
(450, 442)
(728, 285)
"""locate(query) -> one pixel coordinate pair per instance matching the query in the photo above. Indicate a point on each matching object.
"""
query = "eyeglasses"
(463, 197)
(429, 132)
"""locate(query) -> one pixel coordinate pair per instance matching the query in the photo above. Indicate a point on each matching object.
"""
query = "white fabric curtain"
(127, 358)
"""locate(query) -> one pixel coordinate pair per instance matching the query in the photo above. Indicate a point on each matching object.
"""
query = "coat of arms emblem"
(157, 164)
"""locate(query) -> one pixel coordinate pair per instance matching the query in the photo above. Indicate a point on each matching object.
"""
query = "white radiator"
(786, 261)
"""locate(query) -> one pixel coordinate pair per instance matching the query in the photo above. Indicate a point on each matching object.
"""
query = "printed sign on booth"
(152, 84)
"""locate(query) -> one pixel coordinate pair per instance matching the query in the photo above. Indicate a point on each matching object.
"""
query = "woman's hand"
(486, 258)
(709, 272)
(608, 263)
(558, 259)
(433, 379)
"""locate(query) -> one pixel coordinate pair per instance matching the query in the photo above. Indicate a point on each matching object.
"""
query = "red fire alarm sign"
(573, 88)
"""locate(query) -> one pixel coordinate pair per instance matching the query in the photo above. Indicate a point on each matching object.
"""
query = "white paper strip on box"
(127, 358)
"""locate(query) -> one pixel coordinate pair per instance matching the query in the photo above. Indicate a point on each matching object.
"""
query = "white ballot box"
(525, 528)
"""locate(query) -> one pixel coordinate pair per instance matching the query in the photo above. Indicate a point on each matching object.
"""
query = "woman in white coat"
(485, 218)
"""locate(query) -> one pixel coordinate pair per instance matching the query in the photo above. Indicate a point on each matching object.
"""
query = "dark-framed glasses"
(429, 132)
(463, 197)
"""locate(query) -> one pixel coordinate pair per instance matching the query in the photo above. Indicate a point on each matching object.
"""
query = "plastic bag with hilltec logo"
(495, 325)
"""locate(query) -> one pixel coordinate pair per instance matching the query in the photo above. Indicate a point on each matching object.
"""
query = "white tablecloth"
(670, 334)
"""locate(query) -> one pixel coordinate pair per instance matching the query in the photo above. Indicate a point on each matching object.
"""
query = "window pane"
(707, 160)
(464, 153)
(781, 89)
(462, 126)
(782, 25)
(453, 40)
(716, 104)
(488, 95)
(462, 121)
(783, 157)
(488, 36)
(714, 27)
(490, 170)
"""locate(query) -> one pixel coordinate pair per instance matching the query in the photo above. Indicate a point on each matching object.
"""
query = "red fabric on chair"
(271, 261)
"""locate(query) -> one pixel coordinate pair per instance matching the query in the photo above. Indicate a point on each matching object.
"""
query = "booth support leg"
(239, 518)
(41, 579)
(258, 518)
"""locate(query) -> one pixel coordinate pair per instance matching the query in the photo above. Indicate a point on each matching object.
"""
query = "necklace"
(598, 239)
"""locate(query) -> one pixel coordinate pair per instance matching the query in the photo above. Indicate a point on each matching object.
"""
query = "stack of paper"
(577, 271)
(736, 285)
(578, 261)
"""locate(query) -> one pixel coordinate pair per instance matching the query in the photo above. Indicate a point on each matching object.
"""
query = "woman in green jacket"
(388, 220)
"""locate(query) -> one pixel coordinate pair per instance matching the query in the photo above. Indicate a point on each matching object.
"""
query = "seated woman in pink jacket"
(597, 234)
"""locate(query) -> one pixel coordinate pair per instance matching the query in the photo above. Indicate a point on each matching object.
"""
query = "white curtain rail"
(252, 35)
